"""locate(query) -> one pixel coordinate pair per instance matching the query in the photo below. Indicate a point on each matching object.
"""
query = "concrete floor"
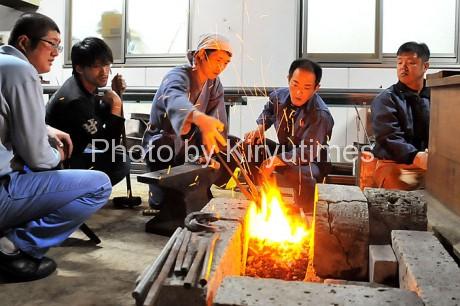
(96, 275)
(105, 274)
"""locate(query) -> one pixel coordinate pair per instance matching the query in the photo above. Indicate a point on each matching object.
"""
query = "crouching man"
(76, 108)
(39, 207)
(303, 124)
(400, 120)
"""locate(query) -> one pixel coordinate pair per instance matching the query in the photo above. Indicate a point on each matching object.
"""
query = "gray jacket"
(177, 96)
(23, 134)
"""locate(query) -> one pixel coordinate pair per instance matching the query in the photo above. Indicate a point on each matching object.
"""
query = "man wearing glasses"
(39, 206)
(77, 109)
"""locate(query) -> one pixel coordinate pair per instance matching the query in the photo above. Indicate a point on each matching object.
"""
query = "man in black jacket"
(77, 109)
(400, 119)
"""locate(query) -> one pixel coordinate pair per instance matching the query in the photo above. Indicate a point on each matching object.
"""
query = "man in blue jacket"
(303, 125)
(400, 120)
(39, 207)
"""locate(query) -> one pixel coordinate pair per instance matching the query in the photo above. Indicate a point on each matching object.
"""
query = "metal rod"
(188, 259)
(155, 289)
(182, 251)
(245, 192)
(362, 125)
(152, 271)
(192, 274)
(206, 270)
(248, 180)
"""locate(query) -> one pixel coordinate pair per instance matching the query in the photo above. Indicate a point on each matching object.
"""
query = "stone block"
(426, 268)
(394, 210)
(228, 257)
(239, 291)
(383, 266)
(341, 227)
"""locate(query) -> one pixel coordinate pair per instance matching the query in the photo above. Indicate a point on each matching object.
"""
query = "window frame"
(375, 57)
(148, 60)
(382, 60)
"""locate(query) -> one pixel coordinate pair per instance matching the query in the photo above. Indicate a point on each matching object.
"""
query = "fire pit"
(279, 238)
(275, 241)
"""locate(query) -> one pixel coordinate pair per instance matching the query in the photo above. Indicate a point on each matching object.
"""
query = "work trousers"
(391, 175)
(116, 167)
(39, 210)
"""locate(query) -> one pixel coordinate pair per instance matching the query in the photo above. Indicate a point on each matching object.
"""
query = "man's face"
(96, 75)
(215, 63)
(302, 86)
(43, 55)
(411, 68)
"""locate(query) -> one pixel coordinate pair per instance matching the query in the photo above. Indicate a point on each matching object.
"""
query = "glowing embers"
(278, 239)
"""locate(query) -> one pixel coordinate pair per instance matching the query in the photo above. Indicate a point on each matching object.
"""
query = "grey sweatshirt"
(23, 133)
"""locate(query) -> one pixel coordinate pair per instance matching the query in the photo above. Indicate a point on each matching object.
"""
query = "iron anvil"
(186, 189)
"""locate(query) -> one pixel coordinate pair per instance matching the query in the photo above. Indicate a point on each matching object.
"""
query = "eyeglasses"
(55, 46)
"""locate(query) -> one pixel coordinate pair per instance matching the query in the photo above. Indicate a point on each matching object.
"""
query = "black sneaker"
(21, 267)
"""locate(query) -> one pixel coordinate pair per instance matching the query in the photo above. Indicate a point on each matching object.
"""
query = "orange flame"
(272, 225)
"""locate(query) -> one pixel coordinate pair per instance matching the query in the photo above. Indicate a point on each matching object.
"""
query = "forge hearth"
(268, 262)
(338, 248)
(279, 238)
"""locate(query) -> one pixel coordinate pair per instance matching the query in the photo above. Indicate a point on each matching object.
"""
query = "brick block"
(341, 226)
(383, 266)
(239, 291)
(394, 210)
(426, 268)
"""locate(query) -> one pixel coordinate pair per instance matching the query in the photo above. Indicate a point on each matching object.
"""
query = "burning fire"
(273, 226)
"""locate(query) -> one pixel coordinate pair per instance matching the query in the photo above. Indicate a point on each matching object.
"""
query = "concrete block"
(394, 210)
(228, 257)
(236, 291)
(383, 266)
(426, 268)
(341, 226)
(332, 281)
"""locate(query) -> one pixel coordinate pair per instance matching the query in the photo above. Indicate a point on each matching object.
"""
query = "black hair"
(87, 52)
(306, 64)
(34, 26)
(421, 49)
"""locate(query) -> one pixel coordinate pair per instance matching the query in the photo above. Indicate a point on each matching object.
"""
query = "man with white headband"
(188, 106)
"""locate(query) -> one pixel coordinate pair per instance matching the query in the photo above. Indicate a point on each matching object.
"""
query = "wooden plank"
(451, 80)
(444, 152)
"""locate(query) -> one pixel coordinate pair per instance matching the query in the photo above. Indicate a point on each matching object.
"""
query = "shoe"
(21, 267)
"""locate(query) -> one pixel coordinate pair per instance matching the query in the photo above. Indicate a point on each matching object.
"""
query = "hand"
(421, 160)
(255, 137)
(62, 141)
(118, 84)
(111, 98)
(211, 129)
(269, 165)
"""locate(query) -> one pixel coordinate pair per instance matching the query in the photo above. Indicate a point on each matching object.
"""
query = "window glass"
(421, 21)
(157, 27)
(337, 26)
(102, 18)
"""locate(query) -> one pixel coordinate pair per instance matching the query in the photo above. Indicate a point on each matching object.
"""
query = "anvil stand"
(186, 189)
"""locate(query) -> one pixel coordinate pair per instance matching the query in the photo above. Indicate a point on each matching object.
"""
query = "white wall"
(263, 36)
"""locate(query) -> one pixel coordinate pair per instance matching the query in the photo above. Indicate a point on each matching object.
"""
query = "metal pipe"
(181, 255)
(152, 271)
(188, 259)
(155, 289)
(206, 270)
(192, 274)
